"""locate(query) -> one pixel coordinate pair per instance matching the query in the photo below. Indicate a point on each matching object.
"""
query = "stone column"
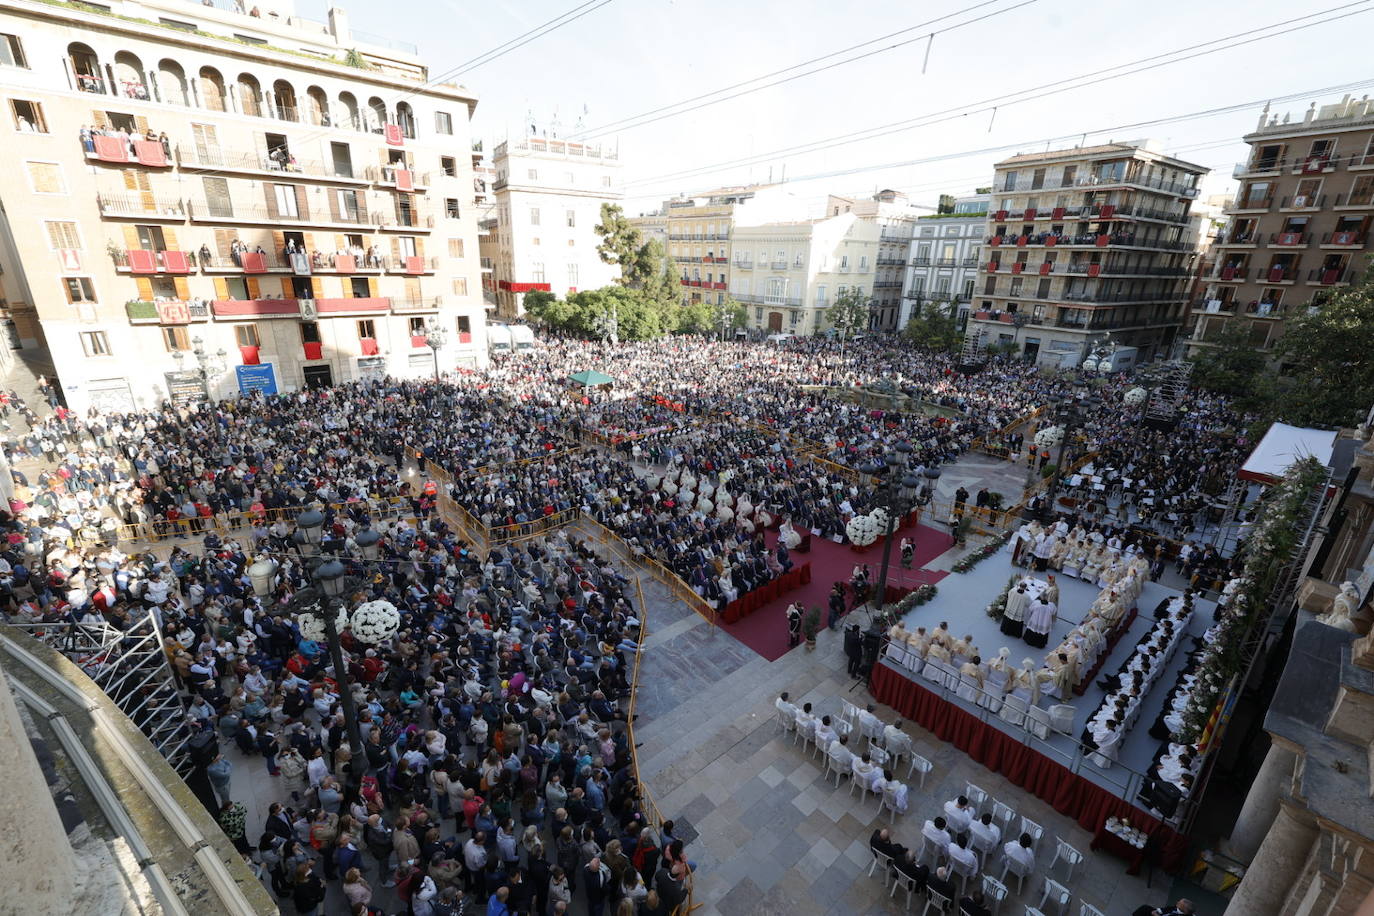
(1261, 804)
(36, 862)
(1276, 868)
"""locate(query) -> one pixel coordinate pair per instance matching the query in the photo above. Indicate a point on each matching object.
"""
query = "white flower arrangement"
(376, 621)
(311, 625)
(880, 518)
(1049, 437)
(1135, 397)
(862, 530)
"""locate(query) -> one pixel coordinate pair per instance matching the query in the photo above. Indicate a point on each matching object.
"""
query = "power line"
(1024, 144)
(676, 108)
(1030, 94)
(538, 31)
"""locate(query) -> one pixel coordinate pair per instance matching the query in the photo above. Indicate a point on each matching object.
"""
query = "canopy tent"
(1281, 446)
(590, 378)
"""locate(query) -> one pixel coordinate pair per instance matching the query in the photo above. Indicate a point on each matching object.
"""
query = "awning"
(1281, 446)
(590, 378)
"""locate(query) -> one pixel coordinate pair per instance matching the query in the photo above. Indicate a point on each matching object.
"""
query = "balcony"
(222, 212)
(1347, 239)
(412, 265)
(1095, 239)
(920, 262)
(255, 308)
(1363, 201)
(248, 262)
(1265, 310)
(1302, 202)
(166, 311)
(141, 206)
(744, 265)
(1290, 239)
(140, 261)
(894, 237)
(890, 262)
(1251, 205)
(1277, 274)
(1258, 167)
(398, 178)
(1239, 240)
(1330, 276)
(719, 284)
(403, 222)
(421, 304)
(192, 159)
(1231, 275)
(114, 150)
(779, 265)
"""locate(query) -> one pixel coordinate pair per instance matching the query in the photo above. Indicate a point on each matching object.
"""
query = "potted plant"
(811, 625)
(961, 530)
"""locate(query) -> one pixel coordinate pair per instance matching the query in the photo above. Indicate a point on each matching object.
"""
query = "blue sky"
(631, 56)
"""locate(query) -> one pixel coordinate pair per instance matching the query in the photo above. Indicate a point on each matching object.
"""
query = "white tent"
(1281, 446)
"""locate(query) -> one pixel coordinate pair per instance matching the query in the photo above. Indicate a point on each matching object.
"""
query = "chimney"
(338, 26)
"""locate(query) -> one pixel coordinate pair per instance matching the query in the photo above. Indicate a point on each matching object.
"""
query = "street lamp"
(322, 608)
(895, 497)
(1069, 415)
(436, 336)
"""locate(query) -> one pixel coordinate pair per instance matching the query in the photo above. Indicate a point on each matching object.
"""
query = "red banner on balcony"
(173, 312)
(345, 263)
(415, 264)
(393, 135)
(111, 149)
(254, 262)
(249, 355)
(369, 345)
(1276, 274)
(1314, 164)
(1330, 276)
(1030, 212)
(1045, 268)
(417, 340)
(515, 287)
(992, 267)
(142, 261)
(465, 337)
(1228, 273)
(1344, 238)
(1017, 267)
(1021, 241)
(405, 181)
(1000, 215)
(1094, 270)
(1108, 211)
(176, 262)
(996, 240)
(314, 350)
(1051, 241)
(1102, 240)
(1289, 238)
(150, 152)
(1057, 213)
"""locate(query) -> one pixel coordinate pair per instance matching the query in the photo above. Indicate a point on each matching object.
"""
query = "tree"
(621, 244)
(712, 318)
(935, 326)
(1331, 372)
(1232, 366)
(550, 311)
(849, 314)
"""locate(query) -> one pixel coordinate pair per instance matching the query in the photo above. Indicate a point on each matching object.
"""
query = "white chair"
(889, 801)
(1065, 853)
(788, 720)
(805, 731)
(939, 901)
(938, 852)
(860, 783)
(1011, 865)
(872, 730)
(906, 882)
(976, 797)
(984, 852)
(882, 859)
(920, 765)
(1057, 894)
(1035, 831)
(963, 873)
(994, 892)
(1061, 718)
(843, 727)
(848, 712)
(934, 671)
(878, 755)
(833, 765)
(1038, 722)
(968, 689)
(898, 747)
(1013, 710)
(897, 652)
(1003, 815)
(1087, 909)
(1032, 911)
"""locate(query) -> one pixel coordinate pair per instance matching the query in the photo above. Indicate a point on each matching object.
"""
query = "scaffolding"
(1167, 395)
(132, 669)
(974, 355)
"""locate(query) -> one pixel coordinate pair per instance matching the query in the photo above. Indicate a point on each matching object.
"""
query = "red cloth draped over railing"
(747, 604)
(1070, 794)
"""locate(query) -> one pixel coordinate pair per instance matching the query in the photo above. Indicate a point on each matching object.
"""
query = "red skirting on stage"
(748, 603)
(1071, 795)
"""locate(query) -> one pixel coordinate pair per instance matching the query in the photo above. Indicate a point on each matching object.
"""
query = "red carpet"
(765, 630)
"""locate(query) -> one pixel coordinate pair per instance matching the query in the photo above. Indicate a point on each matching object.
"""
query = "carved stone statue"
(1343, 608)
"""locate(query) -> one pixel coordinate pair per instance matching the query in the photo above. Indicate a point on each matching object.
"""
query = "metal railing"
(141, 205)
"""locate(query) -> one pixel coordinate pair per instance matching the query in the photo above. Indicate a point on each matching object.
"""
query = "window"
(537, 270)
(460, 286)
(63, 234)
(1009, 181)
(572, 275)
(367, 329)
(572, 219)
(79, 289)
(94, 343)
(176, 339)
(443, 122)
(758, 314)
(820, 296)
(451, 209)
(11, 51)
(246, 335)
(534, 216)
(464, 324)
(793, 317)
(28, 117)
(455, 248)
(285, 196)
(406, 247)
(177, 24)
(360, 287)
(863, 262)
(844, 262)
(46, 178)
(532, 174)
(417, 327)
(449, 166)
(310, 332)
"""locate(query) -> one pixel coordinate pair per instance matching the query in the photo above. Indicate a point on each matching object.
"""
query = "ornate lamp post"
(321, 611)
(895, 499)
(1069, 415)
(436, 336)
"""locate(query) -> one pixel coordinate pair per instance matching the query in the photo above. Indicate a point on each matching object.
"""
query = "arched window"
(129, 79)
(171, 82)
(85, 68)
(284, 98)
(349, 104)
(212, 89)
(250, 94)
(376, 115)
(317, 111)
(405, 119)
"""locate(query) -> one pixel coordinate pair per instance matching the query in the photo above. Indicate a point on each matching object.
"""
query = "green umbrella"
(590, 378)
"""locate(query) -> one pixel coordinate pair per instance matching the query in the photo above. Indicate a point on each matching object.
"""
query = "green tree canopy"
(1329, 360)
(849, 313)
(712, 318)
(935, 326)
(623, 245)
(1231, 367)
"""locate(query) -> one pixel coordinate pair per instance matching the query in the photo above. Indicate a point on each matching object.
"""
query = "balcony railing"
(779, 265)
(242, 212)
(1363, 201)
(1118, 298)
(1302, 202)
(392, 175)
(1329, 276)
(150, 262)
(1240, 238)
(1349, 238)
(424, 303)
(188, 157)
(1098, 239)
(1231, 274)
(1251, 203)
(144, 205)
(265, 261)
(403, 221)
(920, 262)
(1289, 239)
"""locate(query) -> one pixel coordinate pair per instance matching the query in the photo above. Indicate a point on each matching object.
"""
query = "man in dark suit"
(1184, 907)
(882, 842)
(278, 822)
(940, 883)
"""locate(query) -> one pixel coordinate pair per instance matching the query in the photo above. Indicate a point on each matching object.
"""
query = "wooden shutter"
(224, 241)
(99, 120)
(270, 189)
(145, 288)
(372, 287)
(207, 143)
(362, 205)
(317, 287)
(413, 289)
(131, 241)
(183, 288)
(334, 211)
(141, 124)
(221, 286)
(136, 180)
(279, 243)
(169, 237)
(395, 251)
(302, 206)
(217, 197)
(254, 287)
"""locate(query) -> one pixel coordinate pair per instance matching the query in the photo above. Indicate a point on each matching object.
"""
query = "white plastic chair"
(1087, 909)
(963, 873)
(939, 901)
(1061, 718)
(805, 732)
(920, 765)
(1065, 853)
(968, 689)
(934, 671)
(1057, 894)
(1011, 865)
(1035, 831)
(938, 852)
(984, 852)
(994, 892)
(889, 801)
(849, 712)
(1107, 752)
(899, 747)
(1032, 911)
(906, 882)
(1003, 815)
(1038, 722)
(977, 797)
(897, 652)
(833, 765)
(882, 859)
(861, 784)
(1013, 710)
(788, 720)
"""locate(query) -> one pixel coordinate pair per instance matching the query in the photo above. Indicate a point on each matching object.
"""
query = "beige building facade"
(1299, 226)
(221, 201)
(1084, 243)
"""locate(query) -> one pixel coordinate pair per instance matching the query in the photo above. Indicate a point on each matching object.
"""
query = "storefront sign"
(259, 377)
(185, 387)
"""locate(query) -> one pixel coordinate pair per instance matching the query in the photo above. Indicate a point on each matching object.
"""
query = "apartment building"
(1299, 227)
(788, 274)
(548, 195)
(895, 217)
(942, 260)
(652, 227)
(1084, 243)
(205, 201)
